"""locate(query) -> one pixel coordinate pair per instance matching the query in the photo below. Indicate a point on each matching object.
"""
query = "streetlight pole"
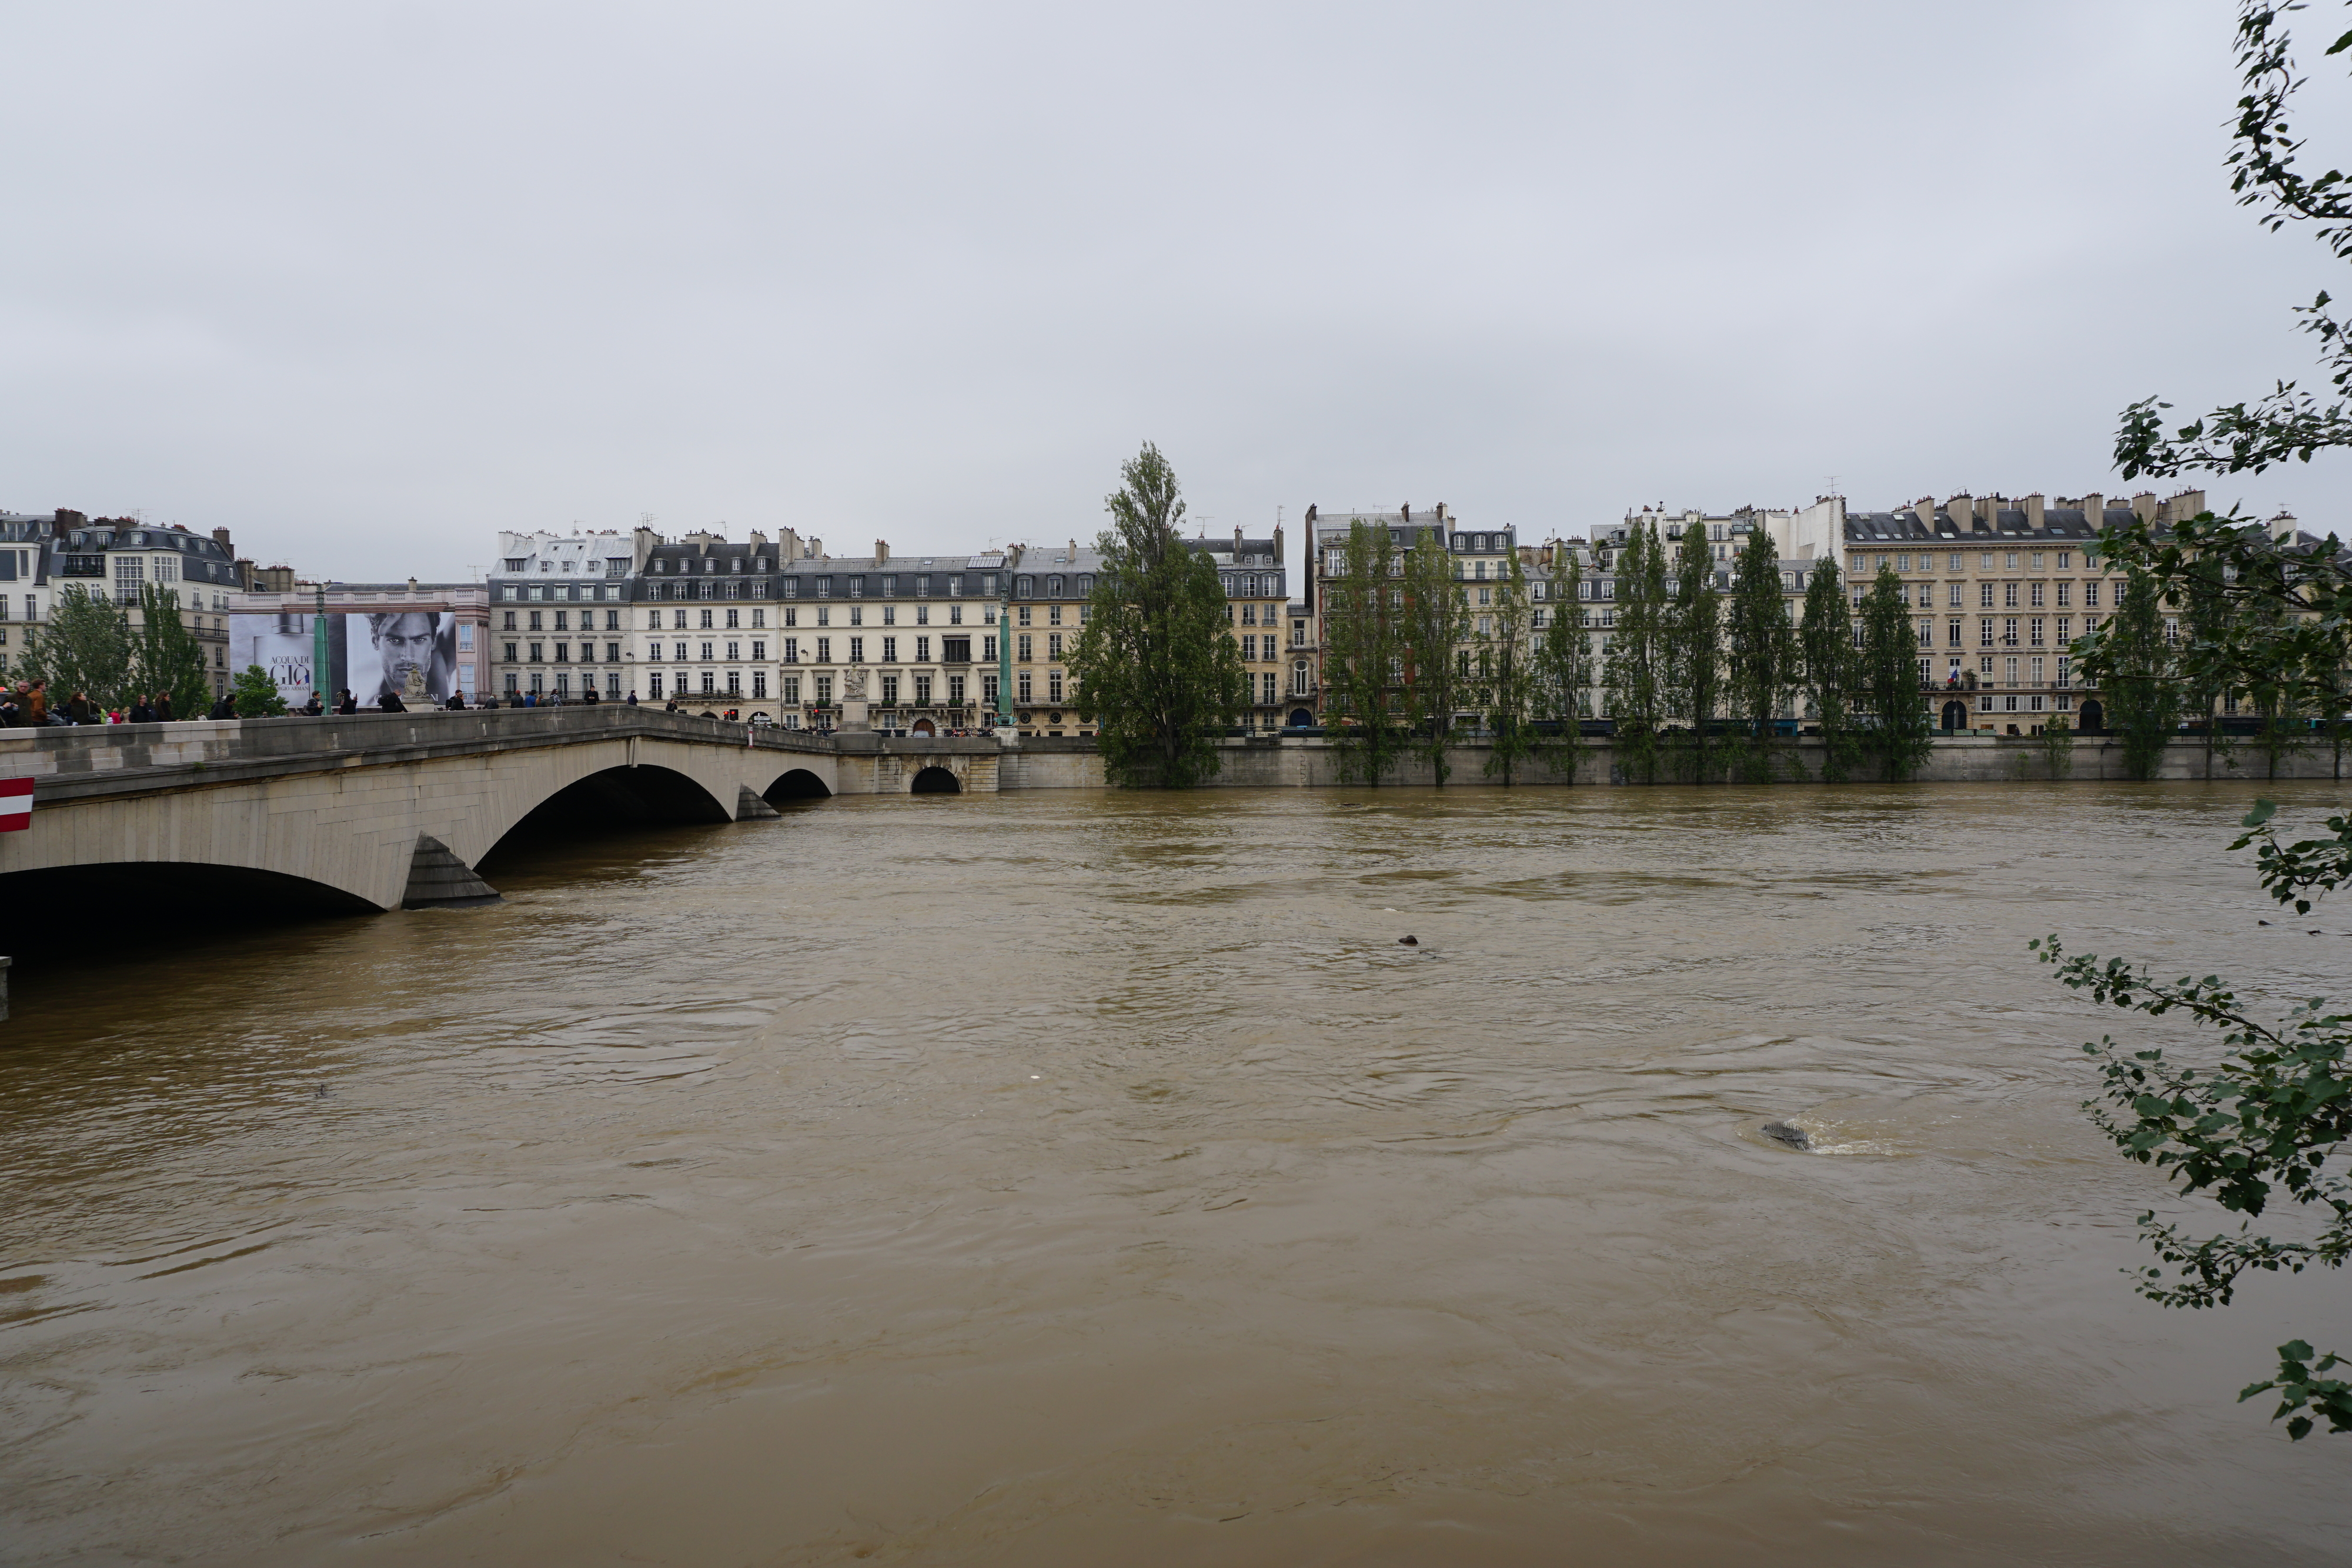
(1004, 645)
(319, 648)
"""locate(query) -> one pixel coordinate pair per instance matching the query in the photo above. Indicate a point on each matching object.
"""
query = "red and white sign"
(15, 805)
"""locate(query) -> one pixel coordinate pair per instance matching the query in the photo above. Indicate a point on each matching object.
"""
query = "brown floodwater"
(1084, 1178)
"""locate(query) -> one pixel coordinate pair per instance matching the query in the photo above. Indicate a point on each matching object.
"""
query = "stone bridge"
(379, 811)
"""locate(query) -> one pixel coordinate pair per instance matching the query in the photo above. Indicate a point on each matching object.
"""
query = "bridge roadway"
(379, 811)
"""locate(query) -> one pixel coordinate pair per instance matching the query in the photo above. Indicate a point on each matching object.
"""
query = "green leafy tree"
(1434, 627)
(1760, 646)
(1636, 670)
(2267, 616)
(1363, 657)
(1695, 647)
(1899, 734)
(2289, 423)
(1825, 640)
(2269, 1119)
(1563, 667)
(167, 655)
(1157, 673)
(86, 647)
(2058, 747)
(2130, 661)
(1511, 694)
(256, 694)
(2206, 613)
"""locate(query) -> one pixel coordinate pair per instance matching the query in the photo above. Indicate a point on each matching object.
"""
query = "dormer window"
(516, 566)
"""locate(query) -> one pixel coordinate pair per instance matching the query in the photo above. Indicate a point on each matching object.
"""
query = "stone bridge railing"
(85, 761)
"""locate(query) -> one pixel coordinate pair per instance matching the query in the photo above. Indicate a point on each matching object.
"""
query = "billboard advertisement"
(369, 654)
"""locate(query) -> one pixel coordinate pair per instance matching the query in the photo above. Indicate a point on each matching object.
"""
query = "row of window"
(1955, 594)
(1956, 560)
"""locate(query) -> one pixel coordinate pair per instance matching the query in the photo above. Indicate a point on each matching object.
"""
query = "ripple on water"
(1077, 1177)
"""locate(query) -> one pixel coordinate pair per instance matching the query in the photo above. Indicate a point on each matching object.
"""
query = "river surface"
(1085, 1179)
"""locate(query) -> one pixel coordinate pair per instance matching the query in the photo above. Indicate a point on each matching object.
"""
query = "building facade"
(42, 556)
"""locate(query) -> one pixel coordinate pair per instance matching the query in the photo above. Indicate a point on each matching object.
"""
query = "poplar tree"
(1695, 640)
(1563, 658)
(167, 656)
(1762, 649)
(2135, 670)
(1158, 672)
(1899, 737)
(2206, 612)
(1436, 627)
(1825, 640)
(1511, 695)
(1363, 655)
(86, 647)
(1635, 671)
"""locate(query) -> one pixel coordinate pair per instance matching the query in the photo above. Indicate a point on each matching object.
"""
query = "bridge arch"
(618, 796)
(935, 781)
(75, 905)
(797, 784)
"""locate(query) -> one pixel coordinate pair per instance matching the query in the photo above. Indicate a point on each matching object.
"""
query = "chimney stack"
(2035, 505)
(881, 550)
(220, 538)
(2095, 510)
(1926, 509)
(2144, 507)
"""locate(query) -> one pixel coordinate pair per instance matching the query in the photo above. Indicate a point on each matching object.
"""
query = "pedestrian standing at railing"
(456, 701)
(224, 708)
(350, 705)
(140, 712)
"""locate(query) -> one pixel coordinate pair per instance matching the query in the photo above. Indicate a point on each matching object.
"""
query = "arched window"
(1299, 678)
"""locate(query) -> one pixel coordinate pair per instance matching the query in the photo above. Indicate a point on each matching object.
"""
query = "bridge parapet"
(77, 762)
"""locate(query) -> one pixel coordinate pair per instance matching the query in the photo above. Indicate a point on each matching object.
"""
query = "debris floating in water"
(1408, 941)
(1782, 1133)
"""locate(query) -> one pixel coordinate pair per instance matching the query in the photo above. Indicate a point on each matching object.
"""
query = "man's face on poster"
(403, 643)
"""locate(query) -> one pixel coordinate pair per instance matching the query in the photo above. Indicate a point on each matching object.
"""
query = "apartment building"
(1257, 604)
(1999, 589)
(41, 556)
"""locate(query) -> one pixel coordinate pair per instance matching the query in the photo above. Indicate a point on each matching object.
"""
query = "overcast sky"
(368, 282)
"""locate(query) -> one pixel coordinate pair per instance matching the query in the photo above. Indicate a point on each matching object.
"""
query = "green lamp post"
(319, 650)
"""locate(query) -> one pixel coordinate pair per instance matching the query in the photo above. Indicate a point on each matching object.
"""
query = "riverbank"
(1312, 762)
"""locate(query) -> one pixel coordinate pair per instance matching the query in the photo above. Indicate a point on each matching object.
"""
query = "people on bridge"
(349, 702)
(224, 708)
(531, 699)
(456, 701)
(390, 702)
(139, 712)
(588, 696)
(315, 708)
(633, 696)
(36, 704)
(80, 709)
